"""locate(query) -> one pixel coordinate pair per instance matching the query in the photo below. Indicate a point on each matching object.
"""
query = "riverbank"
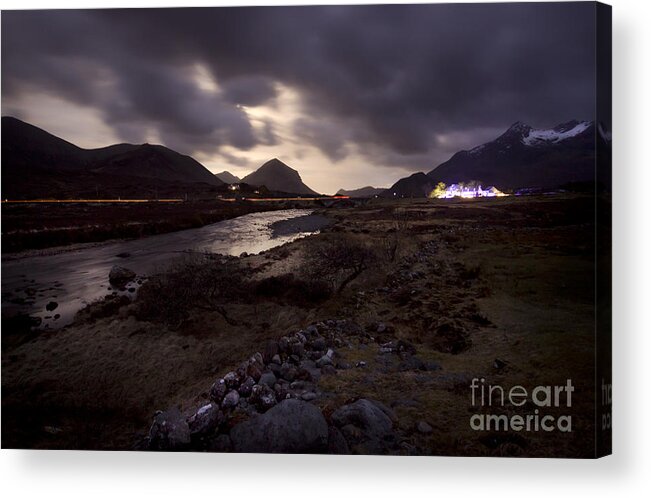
(40, 226)
(495, 289)
(51, 286)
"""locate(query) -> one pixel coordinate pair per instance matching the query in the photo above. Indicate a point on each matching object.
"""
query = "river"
(72, 279)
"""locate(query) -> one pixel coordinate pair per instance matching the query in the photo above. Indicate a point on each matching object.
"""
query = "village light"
(464, 191)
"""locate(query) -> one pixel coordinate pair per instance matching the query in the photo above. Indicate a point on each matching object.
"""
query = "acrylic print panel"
(371, 229)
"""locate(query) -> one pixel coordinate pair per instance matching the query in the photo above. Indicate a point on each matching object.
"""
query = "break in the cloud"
(349, 95)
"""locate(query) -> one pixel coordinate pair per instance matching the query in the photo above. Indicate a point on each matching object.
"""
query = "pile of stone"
(274, 390)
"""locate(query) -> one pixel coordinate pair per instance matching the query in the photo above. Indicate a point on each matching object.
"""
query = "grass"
(513, 274)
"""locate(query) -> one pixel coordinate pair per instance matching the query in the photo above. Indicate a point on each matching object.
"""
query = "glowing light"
(465, 191)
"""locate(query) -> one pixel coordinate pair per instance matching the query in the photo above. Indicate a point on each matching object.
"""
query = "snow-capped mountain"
(542, 138)
(528, 157)
(523, 157)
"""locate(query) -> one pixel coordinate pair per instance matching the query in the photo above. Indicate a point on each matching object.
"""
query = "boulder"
(337, 444)
(292, 426)
(288, 372)
(319, 344)
(297, 349)
(231, 400)
(262, 397)
(323, 361)
(232, 380)
(218, 391)
(169, 431)
(206, 420)
(268, 378)
(221, 444)
(367, 425)
(120, 276)
(246, 387)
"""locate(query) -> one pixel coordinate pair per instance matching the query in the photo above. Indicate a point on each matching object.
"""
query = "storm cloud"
(397, 84)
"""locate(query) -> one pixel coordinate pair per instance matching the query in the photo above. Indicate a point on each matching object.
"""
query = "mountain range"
(37, 164)
(228, 177)
(521, 157)
(361, 192)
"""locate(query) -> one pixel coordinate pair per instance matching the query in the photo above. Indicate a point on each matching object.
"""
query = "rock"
(51, 306)
(283, 345)
(283, 391)
(218, 391)
(309, 396)
(360, 364)
(169, 431)
(337, 444)
(275, 368)
(499, 364)
(287, 372)
(244, 254)
(297, 349)
(268, 378)
(254, 371)
(276, 359)
(366, 425)
(304, 374)
(231, 400)
(232, 380)
(262, 397)
(423, 427)
(301, 385)
(292, 426)
(323, 361)
(120, 276)
(206, 420)
(308, 364)
(319, 344)
(221, 444)
(246, 387)
(258, 359)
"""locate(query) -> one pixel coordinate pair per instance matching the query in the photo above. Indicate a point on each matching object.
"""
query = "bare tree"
(338, 260)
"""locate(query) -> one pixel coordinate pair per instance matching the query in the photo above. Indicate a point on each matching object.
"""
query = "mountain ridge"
(28, 147)
(520, 157)
(228, 177)
(362, 192)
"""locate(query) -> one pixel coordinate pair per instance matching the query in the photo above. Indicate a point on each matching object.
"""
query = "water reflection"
(70, 280)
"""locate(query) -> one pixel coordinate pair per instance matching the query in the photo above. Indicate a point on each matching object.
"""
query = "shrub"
(198, 281)
(337, 260)
(288, 288)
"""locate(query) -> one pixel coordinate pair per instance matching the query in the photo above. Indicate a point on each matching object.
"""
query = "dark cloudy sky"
(349, 96)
